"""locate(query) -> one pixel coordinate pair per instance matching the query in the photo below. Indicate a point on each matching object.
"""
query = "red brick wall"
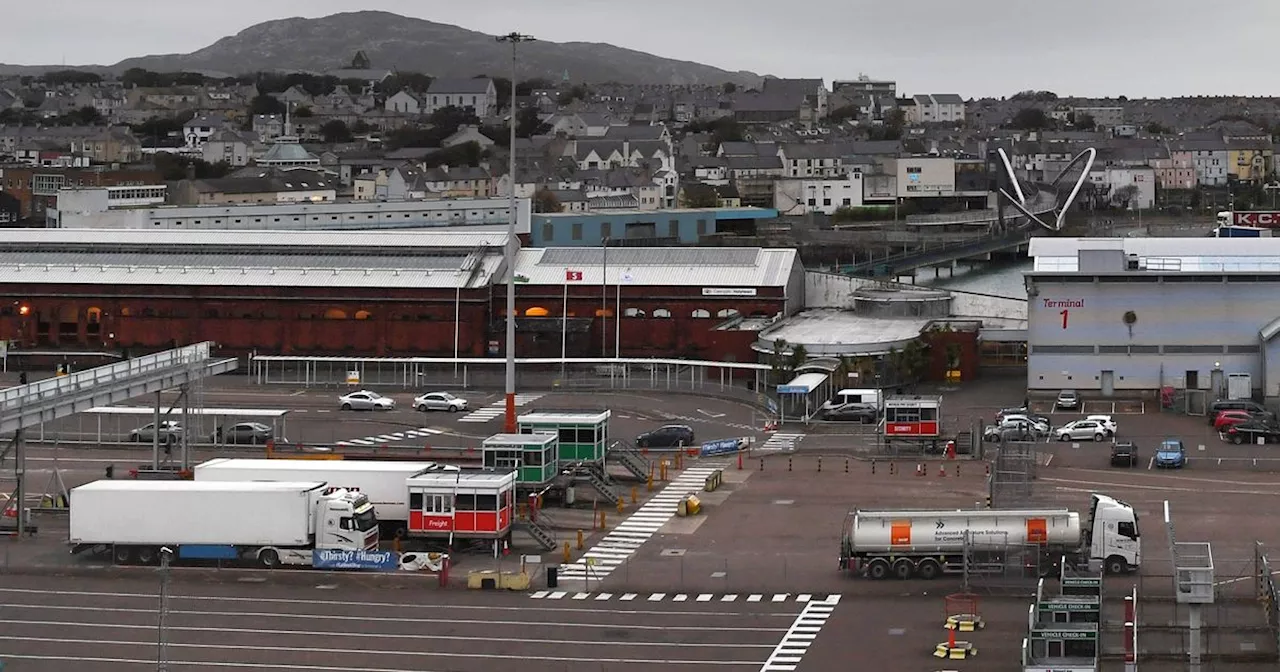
(938, 342)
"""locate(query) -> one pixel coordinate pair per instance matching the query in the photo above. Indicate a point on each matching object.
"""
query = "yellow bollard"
(634, 492)
(567, 553)
(649, 484)
(603, 523)
(679, 460)
(662, 471)
(622, 504)
(395, 544)
(579, 540)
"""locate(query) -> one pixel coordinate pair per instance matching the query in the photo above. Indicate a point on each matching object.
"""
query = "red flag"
(572, 276)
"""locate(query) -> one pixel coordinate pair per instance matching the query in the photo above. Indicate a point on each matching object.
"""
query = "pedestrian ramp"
(393, 437)
(780, 442)
(498, 408)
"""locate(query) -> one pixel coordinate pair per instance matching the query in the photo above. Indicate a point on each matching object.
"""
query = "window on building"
(702, 227)
(661, 313)
(548, 232)
(606, 229)
(813, 202)
(701, 313)
(577, 231)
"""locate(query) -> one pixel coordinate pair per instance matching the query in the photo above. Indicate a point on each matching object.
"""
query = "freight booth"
(582, 435)
(465, 504)
(532, 456)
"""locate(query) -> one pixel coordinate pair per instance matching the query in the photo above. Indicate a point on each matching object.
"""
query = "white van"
(869, 397)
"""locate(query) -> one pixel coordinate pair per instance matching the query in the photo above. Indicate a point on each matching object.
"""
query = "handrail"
(978, 244)
(17, 397)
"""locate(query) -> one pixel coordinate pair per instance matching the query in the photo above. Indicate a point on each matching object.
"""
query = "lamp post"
(514, 39)
(162, 634)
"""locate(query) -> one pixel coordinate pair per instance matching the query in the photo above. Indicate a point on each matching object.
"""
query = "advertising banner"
(721, 447)
(382, 561)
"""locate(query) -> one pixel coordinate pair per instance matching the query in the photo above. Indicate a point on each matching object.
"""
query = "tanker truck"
(925, 544)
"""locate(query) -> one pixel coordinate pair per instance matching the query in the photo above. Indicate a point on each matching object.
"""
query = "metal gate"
(1108, 383)
(1197, 402)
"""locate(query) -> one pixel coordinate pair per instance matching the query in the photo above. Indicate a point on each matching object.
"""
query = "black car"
(1250, 431)
(1124, 454)
(864, 413)
(1245, 405)
(667, 436)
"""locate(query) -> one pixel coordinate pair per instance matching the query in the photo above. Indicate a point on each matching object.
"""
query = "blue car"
(1171, 454)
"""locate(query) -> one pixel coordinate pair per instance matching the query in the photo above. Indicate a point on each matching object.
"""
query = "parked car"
(1013, 410)
(170, 432)
(864, 413)
(1036, 424)
(1106, 421)
(244, 432)
(1009, 432)
(1171, 454)
(1250, 432)
(1067, 400)
(1081, 430)
(1227, 418)
(1235, 405)
(365, 400)
(439, 401)
(667, 436)
(1124, 454)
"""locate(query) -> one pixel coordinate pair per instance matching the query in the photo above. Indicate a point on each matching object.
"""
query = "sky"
(1138, 48)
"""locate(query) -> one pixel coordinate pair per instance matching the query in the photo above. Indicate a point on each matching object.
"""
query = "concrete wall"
(830, 290)
(1076, 330)
(964, 304)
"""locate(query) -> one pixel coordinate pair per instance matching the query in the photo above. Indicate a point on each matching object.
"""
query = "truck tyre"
(269, 558)
(878, 569)
(123, 555)
(147, 555)
(1116, 565)
(904, 569)
(928, 569)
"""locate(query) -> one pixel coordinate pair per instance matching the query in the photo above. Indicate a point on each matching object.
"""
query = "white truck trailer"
(925, 544)
(271, 524)
(383, 482)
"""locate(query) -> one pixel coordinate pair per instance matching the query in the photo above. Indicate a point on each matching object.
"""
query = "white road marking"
(789, 652)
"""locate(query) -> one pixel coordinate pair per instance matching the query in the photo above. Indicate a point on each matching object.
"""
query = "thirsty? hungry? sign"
(376, 560)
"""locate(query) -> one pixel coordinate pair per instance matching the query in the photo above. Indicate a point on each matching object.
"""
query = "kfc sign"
(1264, 219)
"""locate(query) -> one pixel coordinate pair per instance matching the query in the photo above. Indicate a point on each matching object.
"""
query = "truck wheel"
(269, 559)
(878, 569)
(904, 569)
(123, 555)
(928, 569)
(1117, 565)
(147, 555)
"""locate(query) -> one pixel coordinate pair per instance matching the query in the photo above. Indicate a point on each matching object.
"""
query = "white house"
(234, 147)
(802, 196)
(935, 108)
(198, 131)
(404, 103)
(466, 134)
(579, 125)
(479, 95)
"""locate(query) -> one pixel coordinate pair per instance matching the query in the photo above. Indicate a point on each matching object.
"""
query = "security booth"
(1063, 630)
(582, 435)
(463, 504)
(532, 456)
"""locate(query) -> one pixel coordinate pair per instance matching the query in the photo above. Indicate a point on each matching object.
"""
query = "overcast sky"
(973, 47)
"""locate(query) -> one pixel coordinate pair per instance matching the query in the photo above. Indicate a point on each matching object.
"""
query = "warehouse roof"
(430, 259)
(659, 266)
(1167, 255)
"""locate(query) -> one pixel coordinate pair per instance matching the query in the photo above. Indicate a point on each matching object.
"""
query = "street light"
(162, 635)
(514, 39)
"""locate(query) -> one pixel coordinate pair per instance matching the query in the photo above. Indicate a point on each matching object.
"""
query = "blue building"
(684, 226)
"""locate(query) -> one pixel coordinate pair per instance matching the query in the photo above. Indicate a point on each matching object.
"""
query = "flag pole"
(564, 325)
(617, 324)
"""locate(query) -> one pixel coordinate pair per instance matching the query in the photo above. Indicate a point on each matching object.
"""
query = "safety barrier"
(714, 480)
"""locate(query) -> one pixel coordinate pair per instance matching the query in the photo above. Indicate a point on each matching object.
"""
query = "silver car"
(1081, 430)
(170, 431)
(365, 400)
(440, 401)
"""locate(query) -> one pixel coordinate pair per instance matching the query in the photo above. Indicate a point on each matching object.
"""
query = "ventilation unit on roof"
(1134, 263)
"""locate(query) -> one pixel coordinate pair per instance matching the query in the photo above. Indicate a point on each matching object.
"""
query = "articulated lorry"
(926, 544)
(268, 523)
(382, 482)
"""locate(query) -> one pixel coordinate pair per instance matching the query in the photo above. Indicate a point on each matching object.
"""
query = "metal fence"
(1014, 468)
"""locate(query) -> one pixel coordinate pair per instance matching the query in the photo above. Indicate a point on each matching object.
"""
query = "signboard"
(1264, 219)
(793, 389)
(381, 561)
(1064, 635)
(1091, 605)
(728, 291)
(720, 447)
(1081, 581)
(1060, 668)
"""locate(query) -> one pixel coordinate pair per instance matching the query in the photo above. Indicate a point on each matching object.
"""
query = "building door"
(1193, 380)
(1108, 383)
(1218, 384)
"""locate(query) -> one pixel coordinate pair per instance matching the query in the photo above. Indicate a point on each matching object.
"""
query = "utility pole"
(514, 39)
(162, 634)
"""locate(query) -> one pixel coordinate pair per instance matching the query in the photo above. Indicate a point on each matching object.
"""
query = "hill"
(396, 42)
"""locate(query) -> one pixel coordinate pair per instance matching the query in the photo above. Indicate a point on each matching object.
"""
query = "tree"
(303, 112)
(173, 167)
(1083, 121)
(264, 104)
(576, 92)
(141, 77)
(528, 124)
(335, 130)
(699, 195)
(360, 127)
(729, 87)
(85, 116)
(1156, 128)
(73, 77)
(1125, 196)
(545, 200)
(1030, 119)
(465, 154)
(842, 113)
(892, 127)
(401, 81)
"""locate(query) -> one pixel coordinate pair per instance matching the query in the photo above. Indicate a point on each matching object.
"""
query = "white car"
(439, 401)
(1015, 421)
(1106, 421)
(1081, 430)
(365, 400)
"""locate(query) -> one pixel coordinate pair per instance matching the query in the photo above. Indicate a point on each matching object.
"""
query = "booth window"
(486, 503)
(533, 457)
(415, 501)
(466, 503)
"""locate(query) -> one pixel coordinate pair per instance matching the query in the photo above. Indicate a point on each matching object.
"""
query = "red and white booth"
(464, 504)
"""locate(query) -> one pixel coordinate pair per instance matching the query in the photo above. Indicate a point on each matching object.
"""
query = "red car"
(1227, 418)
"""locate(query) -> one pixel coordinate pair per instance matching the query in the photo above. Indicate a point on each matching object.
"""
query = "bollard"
(739, 461)
(579, 540)
(788, 464)
(634, 491)
(567, 552)
(819, 464)
(603, 520)
(762, 464)
(662, 471)
(846, 465)
(873, 467)
(680, 460)
(622, 504)
(892, 470)
(649, 484)
(395, 545)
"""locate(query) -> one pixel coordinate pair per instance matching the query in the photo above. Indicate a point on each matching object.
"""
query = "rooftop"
(829, 332)
(1171, 255)
(660, 266)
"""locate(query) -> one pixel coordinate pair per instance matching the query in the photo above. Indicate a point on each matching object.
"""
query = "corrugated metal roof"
(170, 239)
(1187, 255)
(659, 267)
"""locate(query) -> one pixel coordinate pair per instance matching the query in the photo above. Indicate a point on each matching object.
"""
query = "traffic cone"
(919, 469)
(942, 471)
(506, 547)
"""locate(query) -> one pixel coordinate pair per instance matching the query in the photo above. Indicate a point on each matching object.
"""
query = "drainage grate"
(673, 552)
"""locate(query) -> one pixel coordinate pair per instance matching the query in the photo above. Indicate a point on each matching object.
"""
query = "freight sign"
(1267, 219)
(382, 561)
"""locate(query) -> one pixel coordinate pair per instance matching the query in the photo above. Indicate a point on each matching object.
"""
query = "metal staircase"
(539, 526)
(631, 459)
(594, 474)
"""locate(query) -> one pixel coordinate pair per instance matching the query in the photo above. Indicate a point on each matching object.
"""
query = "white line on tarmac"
(204, 664)
(368, 652)
(1162, 488)
(1164, 477)
(381, 635)
(380, 605)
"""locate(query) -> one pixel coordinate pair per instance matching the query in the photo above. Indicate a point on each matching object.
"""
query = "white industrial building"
(94, 208)
(824, 195)
(1170, 314)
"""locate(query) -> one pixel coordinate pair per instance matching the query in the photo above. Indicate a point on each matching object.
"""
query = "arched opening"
(633, 312)
(537, 311)
(93, 317)
(701, 313)
(335, 314)
(363, 315)
(728, 312)
(662, 313)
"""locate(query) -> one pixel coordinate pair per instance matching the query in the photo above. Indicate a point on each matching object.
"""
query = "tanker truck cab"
(1113, 537)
